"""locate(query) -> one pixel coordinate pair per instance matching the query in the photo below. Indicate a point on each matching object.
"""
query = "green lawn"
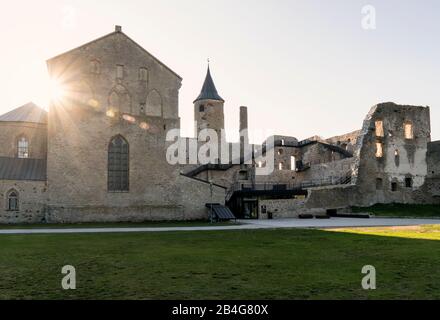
(249, 264)
(149, 224)
(427, 232)
(401, 210)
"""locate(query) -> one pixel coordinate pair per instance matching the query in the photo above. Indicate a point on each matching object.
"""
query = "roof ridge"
(108, 35)
(29, 112)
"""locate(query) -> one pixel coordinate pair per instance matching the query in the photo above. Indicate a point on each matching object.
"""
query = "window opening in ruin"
(280, 151)
(280, 166)
(379, 150)
(409, 134)
(408, 182)
(283, 142)
(394, 186)
(293, 163)
(379, 128)
(202, 108)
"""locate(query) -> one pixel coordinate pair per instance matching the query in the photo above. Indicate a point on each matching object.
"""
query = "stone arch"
(119, 100)
(154, 106)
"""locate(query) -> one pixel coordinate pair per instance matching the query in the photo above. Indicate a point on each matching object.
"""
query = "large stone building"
(100, 152)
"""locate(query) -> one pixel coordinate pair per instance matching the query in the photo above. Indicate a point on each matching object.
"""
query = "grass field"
(150, 224)
(249, 264)
(401, 210)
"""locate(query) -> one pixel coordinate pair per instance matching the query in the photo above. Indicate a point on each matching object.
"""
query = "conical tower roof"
(209, 92)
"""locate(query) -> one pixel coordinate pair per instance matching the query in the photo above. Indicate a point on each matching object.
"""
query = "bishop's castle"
(100, 153)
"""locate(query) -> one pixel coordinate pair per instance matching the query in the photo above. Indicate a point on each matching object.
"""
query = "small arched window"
(12, 201)
(118, 165)
(23, 148)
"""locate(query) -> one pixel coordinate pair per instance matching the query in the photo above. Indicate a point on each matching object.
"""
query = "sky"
(302, 67)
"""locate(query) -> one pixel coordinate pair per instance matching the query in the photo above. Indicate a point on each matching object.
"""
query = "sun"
(56, 90)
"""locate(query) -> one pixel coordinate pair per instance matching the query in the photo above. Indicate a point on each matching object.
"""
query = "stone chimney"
(244, 134)
(118, 29)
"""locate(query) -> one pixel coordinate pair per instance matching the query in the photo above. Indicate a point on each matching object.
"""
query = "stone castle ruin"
(100, 152)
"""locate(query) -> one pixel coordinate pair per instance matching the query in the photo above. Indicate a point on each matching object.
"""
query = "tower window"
(23, 148)
(12, 204)
(202, 108)
(409, 133)
(119, 71)
(118, 165)
(280, 166)
(379, 128)
(394, 186)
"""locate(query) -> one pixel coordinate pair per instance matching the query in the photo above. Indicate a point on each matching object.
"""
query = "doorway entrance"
(250, 208)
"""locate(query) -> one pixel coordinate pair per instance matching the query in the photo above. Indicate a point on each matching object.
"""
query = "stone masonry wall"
(11, 132)
(32, 201)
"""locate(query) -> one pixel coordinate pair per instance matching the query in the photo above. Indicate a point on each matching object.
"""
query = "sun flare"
(56, 90)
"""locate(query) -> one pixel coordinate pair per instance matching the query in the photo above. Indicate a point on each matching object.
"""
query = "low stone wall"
(113, 214)
(332, 197)
(287, 208)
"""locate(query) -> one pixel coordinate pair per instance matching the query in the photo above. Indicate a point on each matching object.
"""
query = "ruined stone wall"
(433, 158)
(318, 153)
(11, 132)
(32, 201)
(432, 183)
(327, 171)
(286, 208)
(382, 179)
(346, 141)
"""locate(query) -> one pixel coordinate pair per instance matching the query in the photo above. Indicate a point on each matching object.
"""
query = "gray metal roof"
(22, 169)
(209, 92)
(28, 113)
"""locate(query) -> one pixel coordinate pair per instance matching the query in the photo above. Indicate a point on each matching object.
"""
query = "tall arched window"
(12, 200)
(118, 165)
(23, 148)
